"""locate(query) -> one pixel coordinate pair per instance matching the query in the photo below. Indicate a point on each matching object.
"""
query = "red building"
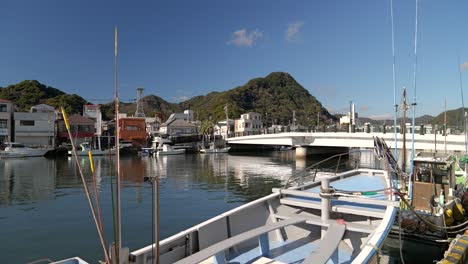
(82, 129)
(133, 129)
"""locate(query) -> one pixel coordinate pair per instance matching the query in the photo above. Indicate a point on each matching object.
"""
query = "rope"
(429, 223)
(399, 237)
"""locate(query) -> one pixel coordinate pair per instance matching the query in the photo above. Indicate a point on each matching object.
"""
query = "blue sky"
(339, 50)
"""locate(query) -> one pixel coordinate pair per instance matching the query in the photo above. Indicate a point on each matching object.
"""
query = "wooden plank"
(327, 246)
(220, 247)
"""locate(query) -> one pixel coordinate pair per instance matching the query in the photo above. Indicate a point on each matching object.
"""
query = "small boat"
(18, 150)
(434, 207)
(85, 147)
(212, 150)
(166, 149)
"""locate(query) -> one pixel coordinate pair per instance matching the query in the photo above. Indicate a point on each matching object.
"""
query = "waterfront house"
(82, 129)
(36, 127)
(178, 127)
(222, 129)
(179, 124)
(6, 117)
(248, 124)
(133, 129)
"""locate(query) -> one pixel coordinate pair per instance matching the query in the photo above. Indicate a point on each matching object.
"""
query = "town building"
(248, 124)
(6, 117)
(37, 127)
(179, 124)
(82, 129)
(222, 129)
(133, 129)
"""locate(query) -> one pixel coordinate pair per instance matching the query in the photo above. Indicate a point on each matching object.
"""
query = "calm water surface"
(44, 213)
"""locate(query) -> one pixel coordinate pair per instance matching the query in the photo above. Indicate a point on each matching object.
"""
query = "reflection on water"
(43, 208)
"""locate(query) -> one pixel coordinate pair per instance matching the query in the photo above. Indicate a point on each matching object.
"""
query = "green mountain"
(30, 92)
(276, 96)
(454, 117)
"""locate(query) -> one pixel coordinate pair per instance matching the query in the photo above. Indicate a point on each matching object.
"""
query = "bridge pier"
(301, 152)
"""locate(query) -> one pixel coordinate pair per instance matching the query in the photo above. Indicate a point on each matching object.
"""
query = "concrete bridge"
(310, 143)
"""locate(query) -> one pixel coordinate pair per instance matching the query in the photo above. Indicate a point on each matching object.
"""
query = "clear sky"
(339, 50)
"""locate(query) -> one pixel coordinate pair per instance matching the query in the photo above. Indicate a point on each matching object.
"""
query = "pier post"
(325, 215)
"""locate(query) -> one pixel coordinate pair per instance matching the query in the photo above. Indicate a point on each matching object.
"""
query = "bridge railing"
(421, 129)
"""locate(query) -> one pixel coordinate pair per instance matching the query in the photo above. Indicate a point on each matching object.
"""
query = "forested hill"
(31, 92)
(275, 96)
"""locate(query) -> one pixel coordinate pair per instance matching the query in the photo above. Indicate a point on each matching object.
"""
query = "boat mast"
(445, 126)
(403, 129)
(227, 122)
(118, 242)
(414, 99)
(394, 85)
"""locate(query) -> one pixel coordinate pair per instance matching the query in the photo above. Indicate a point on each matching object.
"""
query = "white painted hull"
(214, 151)
(362, 236)
(94, 152)
(170, 152)
(24, 154)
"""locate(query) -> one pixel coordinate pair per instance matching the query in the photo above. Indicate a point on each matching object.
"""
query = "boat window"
(17, 146)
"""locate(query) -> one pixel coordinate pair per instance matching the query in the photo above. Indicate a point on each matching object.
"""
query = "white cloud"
(293, 30)
(464, 66)
(181, 98)
(382, 117)
(244, 38)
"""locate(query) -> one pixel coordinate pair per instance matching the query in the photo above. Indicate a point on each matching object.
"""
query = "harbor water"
(44, 213)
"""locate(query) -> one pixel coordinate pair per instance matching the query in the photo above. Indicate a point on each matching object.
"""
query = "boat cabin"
(434, 177)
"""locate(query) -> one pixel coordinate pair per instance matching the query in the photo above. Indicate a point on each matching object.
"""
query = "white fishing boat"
(18, 150)
(166, 149)
(344, 218)
(213, 150)
(85, 147)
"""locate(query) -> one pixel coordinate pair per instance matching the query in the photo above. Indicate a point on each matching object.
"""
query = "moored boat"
(166, 149)
(85, 147)
(212, 150)
(344, 217)
(434, 209)
(18, 150)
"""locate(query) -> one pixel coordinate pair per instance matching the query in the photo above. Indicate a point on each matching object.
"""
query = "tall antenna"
(139, 107)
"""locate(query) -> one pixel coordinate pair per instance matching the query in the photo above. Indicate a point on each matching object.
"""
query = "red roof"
(92, 106)
(78, 119)
(4, 101)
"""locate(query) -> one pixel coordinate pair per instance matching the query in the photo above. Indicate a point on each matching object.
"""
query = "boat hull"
(366, 228)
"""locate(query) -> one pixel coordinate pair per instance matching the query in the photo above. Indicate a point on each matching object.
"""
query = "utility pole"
(403, 128)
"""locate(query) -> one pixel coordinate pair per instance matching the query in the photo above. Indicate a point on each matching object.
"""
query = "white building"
(6, 114)
(248, 124)
(37, 127)
(93, 112)
(222, 129)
